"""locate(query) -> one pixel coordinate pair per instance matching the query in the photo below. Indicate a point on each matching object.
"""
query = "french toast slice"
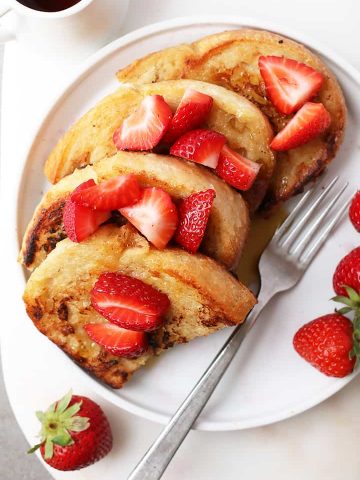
(204, 297)
(90, 139)
(227, 227)
(230, 59)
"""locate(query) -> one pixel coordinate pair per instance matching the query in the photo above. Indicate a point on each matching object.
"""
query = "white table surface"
(319, 444)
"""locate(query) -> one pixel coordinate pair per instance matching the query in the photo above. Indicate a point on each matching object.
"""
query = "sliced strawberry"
(194, 214)
(200, 146)
(113, 194)
(191, 113)
(289, 84)
(311, 120)
(236, 170)
(155, 216)
(118, 341)
(83, 186)
(81, 222)
(129, 302)
(144, 129)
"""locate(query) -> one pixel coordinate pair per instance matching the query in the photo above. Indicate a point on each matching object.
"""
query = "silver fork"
(282, 264)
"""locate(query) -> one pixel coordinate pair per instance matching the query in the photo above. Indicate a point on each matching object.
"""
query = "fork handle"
(157, 458)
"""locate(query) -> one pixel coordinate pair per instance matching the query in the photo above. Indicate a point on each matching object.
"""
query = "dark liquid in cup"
(49, 5)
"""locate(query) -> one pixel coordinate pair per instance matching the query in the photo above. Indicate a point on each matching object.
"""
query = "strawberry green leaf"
(62, 440)
(64, 402)
(40, 416)
(71, 411)
(78, 424)
(345, 300)
(343, 310)
(353, 295)
(49, 449)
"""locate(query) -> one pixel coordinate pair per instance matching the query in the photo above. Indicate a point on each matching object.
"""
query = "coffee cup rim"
(24, 10)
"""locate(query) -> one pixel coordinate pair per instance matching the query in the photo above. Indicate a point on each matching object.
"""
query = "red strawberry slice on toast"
(129, 302)
(201, 146)
(81, 222)
(144, 129)
(310, 121)
(113, 194)
(289, 84)
(191, 113)
(236, 170)
(155, 216)
(194, 214)
(117, 341)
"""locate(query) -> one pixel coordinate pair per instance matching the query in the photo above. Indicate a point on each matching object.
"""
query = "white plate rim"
(91, 64)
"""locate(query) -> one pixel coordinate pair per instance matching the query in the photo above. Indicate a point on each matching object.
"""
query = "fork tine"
(297, 246)
(309, 253)
(292, 214)
(288, 236)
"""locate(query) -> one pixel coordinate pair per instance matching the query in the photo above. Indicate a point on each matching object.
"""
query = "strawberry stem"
(34, 448)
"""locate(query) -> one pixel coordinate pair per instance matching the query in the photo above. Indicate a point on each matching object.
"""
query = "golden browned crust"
(204, 296)
(43, 234)
(226, 230)
(230, 59)
(90, 139)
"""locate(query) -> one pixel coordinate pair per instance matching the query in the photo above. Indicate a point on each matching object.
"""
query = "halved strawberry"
(236, 170)
(144, 129)
(191, 113)
(129, 302)
(80, 222)
(113, 194)
(289, 84)
(311, 120)
(118, 341)
(194, 214)
(201, 146)
(155, 216)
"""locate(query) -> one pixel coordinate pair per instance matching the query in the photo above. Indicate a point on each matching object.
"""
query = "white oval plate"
(267, 380)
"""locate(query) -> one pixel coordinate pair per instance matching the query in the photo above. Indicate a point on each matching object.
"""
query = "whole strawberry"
(348, 273)
(327, 343)
(75, 433)
(354, 211)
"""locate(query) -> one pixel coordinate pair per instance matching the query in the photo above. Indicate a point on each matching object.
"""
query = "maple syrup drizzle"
(261, 231)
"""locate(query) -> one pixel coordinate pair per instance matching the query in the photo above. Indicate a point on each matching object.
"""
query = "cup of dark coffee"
(49, 5)
(74, 27)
